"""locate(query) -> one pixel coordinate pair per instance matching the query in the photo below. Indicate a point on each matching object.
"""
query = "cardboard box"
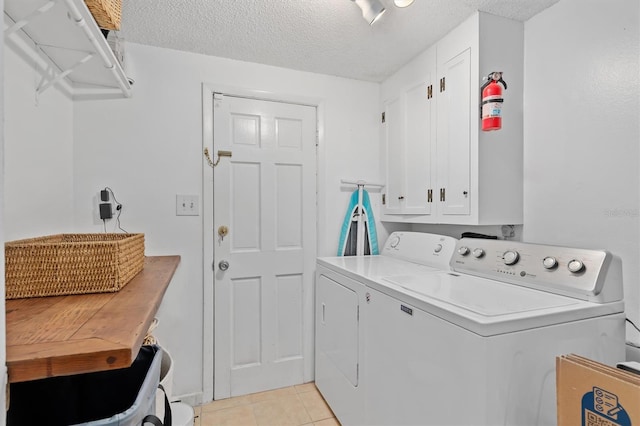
(593, 394)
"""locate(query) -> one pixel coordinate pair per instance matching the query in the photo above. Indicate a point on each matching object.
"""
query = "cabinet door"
(454, 135)
(337, 326)
(394, 156)
(418, 140)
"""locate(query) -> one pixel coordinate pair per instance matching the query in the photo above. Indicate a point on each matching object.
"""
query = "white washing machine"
(341, 294)
(477, 345)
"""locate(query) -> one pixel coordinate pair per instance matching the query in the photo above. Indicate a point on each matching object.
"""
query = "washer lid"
(488, 307)
(482, 296)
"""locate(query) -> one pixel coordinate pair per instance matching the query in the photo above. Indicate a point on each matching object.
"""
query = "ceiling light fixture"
(403, 3)
(372, 10)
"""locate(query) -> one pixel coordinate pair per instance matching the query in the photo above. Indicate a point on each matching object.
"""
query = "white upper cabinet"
(409, 117)
(440, 167)
(64, 42)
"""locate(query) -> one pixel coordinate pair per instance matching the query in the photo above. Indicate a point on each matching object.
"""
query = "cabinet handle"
(384, 199)
(465, 193)
(429, 195)
(442, 194)
(401, 197)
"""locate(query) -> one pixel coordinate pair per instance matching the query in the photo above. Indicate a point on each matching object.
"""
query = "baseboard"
(193, 399)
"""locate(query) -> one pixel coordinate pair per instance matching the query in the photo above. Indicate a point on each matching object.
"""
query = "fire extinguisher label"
(492, 109)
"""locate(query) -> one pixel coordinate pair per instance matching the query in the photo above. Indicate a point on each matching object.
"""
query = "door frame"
(208, 329)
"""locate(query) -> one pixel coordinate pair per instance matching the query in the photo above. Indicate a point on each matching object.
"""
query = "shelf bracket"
(24, 33)
(42, 87)
(24, 21)
(48, 74)
(76, 15)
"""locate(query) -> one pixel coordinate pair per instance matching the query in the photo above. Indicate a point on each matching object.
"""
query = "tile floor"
(292, 406)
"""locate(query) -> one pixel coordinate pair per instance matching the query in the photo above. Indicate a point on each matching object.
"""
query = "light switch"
(187, 205)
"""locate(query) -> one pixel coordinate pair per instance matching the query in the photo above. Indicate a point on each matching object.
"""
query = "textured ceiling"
(322, 36)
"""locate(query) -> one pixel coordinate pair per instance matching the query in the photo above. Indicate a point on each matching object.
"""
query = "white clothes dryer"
(477, 345)
(341, 294)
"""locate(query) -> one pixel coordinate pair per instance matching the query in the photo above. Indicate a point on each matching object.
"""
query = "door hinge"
(384, 199)
(430, 91)
(383, 117)
(442, 84)
(429, 195)
(442, 194)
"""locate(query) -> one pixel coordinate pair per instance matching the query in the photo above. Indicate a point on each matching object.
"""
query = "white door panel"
(266, 195)
(394, 156)
(289, 335)
(245, 217)
(288, 199)
(454, 135)
(417, 149)
(338, 326)
(245, 322)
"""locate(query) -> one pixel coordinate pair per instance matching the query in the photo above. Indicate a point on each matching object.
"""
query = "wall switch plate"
(187, 205)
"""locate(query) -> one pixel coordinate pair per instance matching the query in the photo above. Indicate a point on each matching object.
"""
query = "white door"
(419, 133)
(265, 194)
(409, 133)
(394, 156)
(454, 135)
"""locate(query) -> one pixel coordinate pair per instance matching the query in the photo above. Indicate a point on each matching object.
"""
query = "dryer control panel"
(421, 247)
(593, 275)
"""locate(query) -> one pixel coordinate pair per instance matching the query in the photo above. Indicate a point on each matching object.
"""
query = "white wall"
(36, 180)
(148, 149)
(38, 147)
(582, 131)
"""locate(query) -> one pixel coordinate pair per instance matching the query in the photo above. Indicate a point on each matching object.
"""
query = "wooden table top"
(64, 335)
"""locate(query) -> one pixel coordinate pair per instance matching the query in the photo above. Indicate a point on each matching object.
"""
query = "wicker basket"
(107, 13)
(72, 264)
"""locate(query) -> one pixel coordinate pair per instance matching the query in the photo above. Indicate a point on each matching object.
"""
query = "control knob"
(394, 241)
(463, 251)
(575, 266)
(510, 257)
(478, 253)
(549, 262)
(437, 248)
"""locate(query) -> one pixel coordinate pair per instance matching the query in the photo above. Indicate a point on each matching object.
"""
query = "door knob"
(223, 265)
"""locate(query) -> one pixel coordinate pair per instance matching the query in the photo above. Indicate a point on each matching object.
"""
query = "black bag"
(82, 398)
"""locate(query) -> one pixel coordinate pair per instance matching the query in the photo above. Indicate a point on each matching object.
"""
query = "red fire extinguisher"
(492, 102)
